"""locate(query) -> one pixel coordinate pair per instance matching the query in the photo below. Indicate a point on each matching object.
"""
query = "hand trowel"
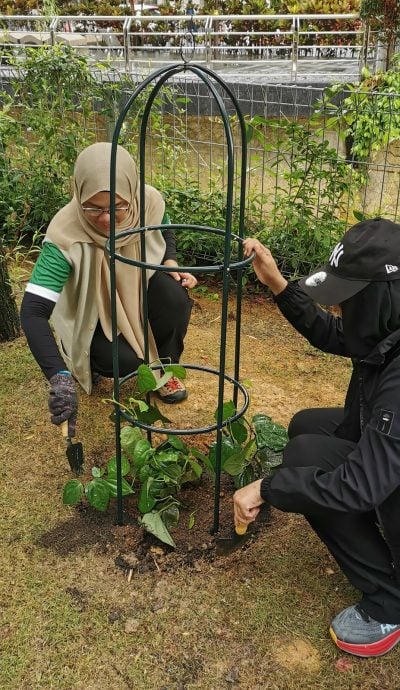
(74, 451)
(226, 545)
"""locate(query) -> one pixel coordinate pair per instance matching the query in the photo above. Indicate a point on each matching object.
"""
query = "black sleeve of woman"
(170, 249)
(35, 315)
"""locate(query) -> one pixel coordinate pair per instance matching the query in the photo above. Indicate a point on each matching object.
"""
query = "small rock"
(233, 676)
(157, 606)
(157, 550)
(114, 616)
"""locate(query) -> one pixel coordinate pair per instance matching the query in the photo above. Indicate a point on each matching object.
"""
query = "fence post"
(365, 46)
(125, 29)
(53, 26)
(295, 45)
(207, 40)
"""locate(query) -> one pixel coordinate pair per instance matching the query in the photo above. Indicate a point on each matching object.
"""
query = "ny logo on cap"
(337, 253)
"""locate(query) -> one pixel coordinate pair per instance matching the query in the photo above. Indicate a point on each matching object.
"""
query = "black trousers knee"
(354, 540)
(169, 308)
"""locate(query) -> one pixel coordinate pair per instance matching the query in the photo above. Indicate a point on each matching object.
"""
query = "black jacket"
(370, 477)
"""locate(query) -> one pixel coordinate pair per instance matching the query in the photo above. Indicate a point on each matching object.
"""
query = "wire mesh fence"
(318, 159)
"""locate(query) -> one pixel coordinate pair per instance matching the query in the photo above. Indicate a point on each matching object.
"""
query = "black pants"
(169, 307)
(354, 540)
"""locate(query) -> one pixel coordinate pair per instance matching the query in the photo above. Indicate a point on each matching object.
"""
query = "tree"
(383, 16)
(9, 319)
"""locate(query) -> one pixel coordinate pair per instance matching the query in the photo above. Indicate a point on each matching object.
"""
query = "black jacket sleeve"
(319, 327)
(35, 315)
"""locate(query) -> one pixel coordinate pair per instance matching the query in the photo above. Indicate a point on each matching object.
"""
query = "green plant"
(44, 123)
(366, 116)
(312, 193)
(249, 450)
(157, 474)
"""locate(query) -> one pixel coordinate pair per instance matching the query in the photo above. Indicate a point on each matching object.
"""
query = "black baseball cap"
(367, 252)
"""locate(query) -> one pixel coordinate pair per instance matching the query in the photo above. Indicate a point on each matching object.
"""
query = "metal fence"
(186, 150)
(295, 44)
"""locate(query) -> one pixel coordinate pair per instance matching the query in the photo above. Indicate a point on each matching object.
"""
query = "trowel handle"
(240, 528)
(64, 430)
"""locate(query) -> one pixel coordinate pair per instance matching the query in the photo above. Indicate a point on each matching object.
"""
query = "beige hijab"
(70, 225)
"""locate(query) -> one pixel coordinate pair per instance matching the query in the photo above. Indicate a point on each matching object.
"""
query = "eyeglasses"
(96, 212)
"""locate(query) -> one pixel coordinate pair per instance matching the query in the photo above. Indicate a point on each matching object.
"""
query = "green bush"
(48, 116)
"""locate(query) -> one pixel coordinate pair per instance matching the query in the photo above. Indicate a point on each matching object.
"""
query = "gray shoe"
(173, 391)
(355, 632)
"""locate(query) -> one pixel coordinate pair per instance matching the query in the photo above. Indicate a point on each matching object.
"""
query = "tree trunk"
(9, 319)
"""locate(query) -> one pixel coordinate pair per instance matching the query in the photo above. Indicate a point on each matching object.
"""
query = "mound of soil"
(134, 550)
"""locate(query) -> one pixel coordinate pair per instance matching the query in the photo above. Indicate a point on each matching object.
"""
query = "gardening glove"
(63, 400)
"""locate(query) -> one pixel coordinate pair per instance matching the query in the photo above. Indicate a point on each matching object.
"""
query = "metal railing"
(295, 42)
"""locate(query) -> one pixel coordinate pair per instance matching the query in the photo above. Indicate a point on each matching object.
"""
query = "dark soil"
(136, 551)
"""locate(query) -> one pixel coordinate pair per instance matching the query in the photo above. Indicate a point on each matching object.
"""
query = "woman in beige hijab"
(71, 284)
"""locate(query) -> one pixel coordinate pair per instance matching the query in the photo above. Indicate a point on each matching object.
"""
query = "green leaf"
(73, 492)
(97, 471)
(152, 414)
(228, 448)
(176, 370)
(112, 467)
(112, 484)
(146, 379)
(234, 464)
(146, 502)
(165, 457)
(177, 443)
(196, 468)
(245, 477)
(98, 494)
(268, 433)
(142, 452)
(228, 410)
(130, 435)
(170, 515)
(238, 431)
(205, 460)
(152, 522)
(192, 521)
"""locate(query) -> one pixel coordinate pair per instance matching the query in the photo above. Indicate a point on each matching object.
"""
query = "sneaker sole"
(170, 400)
(365, 650)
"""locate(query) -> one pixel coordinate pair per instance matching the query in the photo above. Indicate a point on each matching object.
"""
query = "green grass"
(257, 620)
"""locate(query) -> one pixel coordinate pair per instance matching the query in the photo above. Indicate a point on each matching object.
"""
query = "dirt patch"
(298, 655)
(283, 373)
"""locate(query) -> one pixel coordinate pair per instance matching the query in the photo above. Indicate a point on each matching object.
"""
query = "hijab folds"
(71, 226)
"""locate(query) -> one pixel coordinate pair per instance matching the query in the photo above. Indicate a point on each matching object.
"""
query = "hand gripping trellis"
(160, 77)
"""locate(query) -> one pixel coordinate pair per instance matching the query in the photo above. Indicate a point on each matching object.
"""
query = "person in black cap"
(341, 466)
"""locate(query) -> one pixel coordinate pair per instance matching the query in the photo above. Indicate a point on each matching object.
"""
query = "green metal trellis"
(159, 78)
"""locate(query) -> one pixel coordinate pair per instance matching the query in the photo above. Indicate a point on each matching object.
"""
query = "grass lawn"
(72, 620)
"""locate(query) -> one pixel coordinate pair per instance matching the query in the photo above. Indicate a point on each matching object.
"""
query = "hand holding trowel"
(247, 502)
(63, 406)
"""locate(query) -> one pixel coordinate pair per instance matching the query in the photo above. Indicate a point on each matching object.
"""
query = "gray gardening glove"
(63, 400)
